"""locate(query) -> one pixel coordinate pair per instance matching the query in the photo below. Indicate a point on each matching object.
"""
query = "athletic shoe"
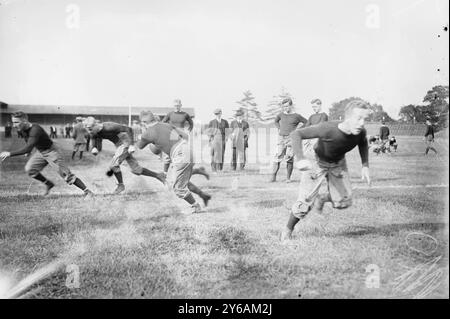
(109, 173)
(48, 186)
(195, 209)
(288, 181)
(286, 235)
(119, 189)
(206, 198)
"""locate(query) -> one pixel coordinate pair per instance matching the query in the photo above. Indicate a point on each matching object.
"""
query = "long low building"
(61, 115)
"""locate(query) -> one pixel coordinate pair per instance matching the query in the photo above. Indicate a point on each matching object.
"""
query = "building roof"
(87, 110)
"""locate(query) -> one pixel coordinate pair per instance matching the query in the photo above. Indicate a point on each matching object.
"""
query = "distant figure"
(240, 131)
(68, 130)
(393, 143)
(61, 131)
(429, 137)
(218, 133)
(53, 133)
(8, 129)
(384, 137)
(79, 135)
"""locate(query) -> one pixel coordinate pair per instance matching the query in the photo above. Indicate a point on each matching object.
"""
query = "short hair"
(287, 100)
(316, 101)
(147, 114)
(20, 115)
(356, 104)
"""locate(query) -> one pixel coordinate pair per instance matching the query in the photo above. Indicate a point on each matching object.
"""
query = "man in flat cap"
(218, 134)
(240, 131)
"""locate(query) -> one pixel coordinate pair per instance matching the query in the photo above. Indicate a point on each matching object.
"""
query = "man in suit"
(218, 134)
(240, 131)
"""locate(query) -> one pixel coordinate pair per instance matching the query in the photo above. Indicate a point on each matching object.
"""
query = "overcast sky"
(147, 53)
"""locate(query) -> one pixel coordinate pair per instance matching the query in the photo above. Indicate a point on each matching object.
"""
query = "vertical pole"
(129, 115)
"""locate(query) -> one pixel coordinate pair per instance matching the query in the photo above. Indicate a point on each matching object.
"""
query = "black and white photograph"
(248, 151)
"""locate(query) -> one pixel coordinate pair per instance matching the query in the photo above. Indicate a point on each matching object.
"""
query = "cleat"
(109, 173)
(119, 189)
(88, 193)
(48, 186)
(273, 179)
(289, 181)
(196, 208)
(206, 198)
(286, 235)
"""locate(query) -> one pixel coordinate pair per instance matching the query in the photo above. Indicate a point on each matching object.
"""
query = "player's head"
(20, 120)
(218, 113)
(90, 123)
(316, 105)
(286, 104)
(147, 118)
(177, 104)
(356, 114)
(239, 115)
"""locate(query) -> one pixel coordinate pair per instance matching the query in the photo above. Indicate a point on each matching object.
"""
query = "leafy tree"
(378, 114)
(436, 108)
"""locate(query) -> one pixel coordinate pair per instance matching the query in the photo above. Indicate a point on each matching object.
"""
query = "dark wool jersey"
(286, 123)
(317, 119)
(116, 133)
(333, 144)
(178, 119)
(162, 135)
(384, 133)
(35, 136)
(429, 131)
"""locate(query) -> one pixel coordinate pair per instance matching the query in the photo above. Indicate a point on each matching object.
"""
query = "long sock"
(73, 155)
(118, 176)
(195, 189)
(147, 172)
(81, 155)
(289, 168)
(433, 149)
(190, 199)
(292, 222)
(427, 150)
(41, 178)
(78, 183)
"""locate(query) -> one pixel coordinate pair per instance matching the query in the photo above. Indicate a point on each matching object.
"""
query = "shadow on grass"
(393, 229)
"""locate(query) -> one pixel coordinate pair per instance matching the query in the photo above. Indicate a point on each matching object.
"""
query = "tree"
(377, 114)
(436, 108)
(274, 107)
(412, 114)
(250, 108)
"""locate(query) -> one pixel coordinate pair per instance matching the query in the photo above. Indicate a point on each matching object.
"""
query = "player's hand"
(303, 165)
(131, 149)
(365, 175)
(4, 155)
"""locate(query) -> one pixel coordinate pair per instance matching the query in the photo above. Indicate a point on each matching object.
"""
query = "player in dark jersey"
(286, 122)
(318, 116)
(122, 137)
(330, 168)
(171, 140)
(178, 119)
(429, 137)
(47, 154)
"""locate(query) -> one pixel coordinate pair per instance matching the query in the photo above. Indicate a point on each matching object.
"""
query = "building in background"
(47, 115)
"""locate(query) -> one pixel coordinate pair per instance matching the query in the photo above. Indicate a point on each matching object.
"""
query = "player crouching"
(47, 154)
(173, 142)
(330, 167)
(122, 137)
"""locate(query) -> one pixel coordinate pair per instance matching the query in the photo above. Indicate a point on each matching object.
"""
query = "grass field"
(140, 245)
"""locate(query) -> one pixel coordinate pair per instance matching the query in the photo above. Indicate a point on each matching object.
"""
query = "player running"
(47, 153)
(122, 137)
(171, 140)
(330, 167)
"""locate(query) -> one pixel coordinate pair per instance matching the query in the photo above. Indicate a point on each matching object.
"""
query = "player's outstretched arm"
(363, 147)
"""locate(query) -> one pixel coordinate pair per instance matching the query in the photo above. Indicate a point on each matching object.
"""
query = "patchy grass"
(140, 245)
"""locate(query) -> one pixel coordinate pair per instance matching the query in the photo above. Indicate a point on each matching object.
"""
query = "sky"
(207, 52)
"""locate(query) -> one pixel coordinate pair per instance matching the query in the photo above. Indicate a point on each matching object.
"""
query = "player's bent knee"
(137, 170)
(115, 169)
